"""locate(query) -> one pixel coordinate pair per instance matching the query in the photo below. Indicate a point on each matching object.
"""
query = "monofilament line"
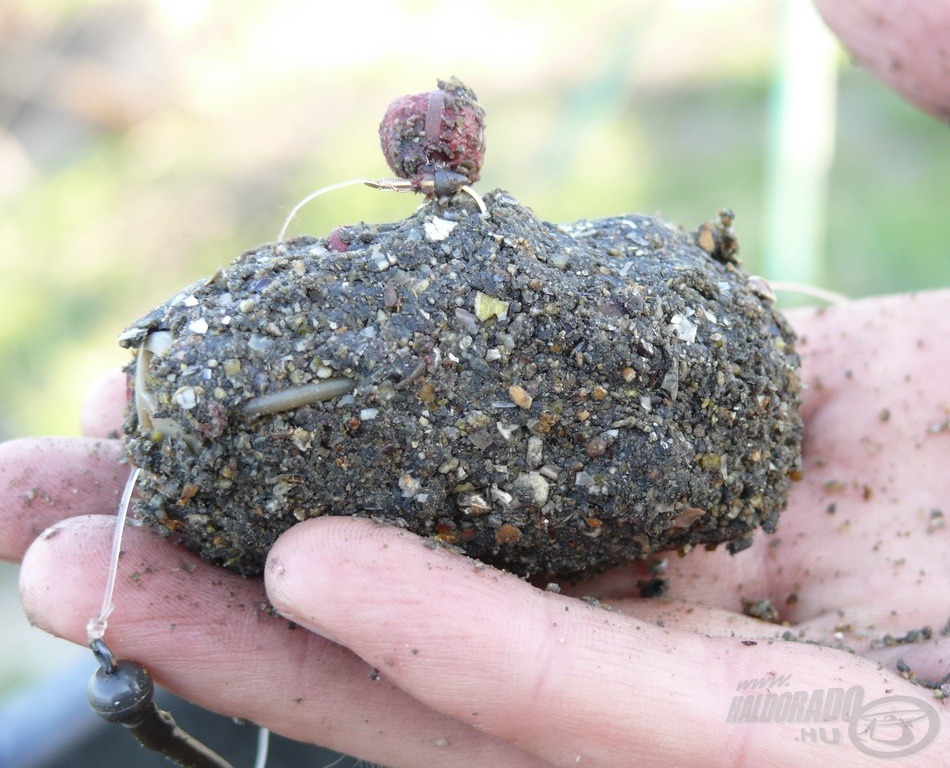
(315, 194)
(392, 185)
(812, 291)
(96, 627)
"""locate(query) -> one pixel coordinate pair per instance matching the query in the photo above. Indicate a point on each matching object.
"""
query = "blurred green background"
(143, 144)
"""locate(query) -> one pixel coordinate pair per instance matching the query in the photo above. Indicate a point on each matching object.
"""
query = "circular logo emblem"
(894, 726)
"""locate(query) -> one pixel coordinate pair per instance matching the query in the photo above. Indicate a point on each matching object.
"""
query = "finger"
(208, 635)
(682, 616)
(925, 650)
(899, 43)
(103, 411)
(571, 682)
(927, 659)
(46, 479)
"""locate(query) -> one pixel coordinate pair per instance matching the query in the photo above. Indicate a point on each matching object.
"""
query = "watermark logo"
(889, 727)
(894, 726)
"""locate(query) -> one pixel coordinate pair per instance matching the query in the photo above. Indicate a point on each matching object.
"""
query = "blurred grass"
(888, 227)
(639, 113)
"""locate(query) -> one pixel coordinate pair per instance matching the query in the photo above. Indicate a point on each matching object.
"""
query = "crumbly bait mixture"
(550, 399)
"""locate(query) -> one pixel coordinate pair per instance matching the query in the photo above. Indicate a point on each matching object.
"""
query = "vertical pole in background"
(802, 145)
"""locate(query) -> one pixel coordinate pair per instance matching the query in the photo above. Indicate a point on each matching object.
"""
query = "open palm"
(862, 549)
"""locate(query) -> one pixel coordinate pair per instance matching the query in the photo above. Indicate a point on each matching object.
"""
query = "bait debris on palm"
(550, 399)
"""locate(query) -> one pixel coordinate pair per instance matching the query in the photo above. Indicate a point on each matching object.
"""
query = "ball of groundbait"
(551, 399)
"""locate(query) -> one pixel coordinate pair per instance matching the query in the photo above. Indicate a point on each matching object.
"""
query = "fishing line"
(122, 691)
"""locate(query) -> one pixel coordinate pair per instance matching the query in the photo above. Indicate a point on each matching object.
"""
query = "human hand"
(902, 44)
(476, 667)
